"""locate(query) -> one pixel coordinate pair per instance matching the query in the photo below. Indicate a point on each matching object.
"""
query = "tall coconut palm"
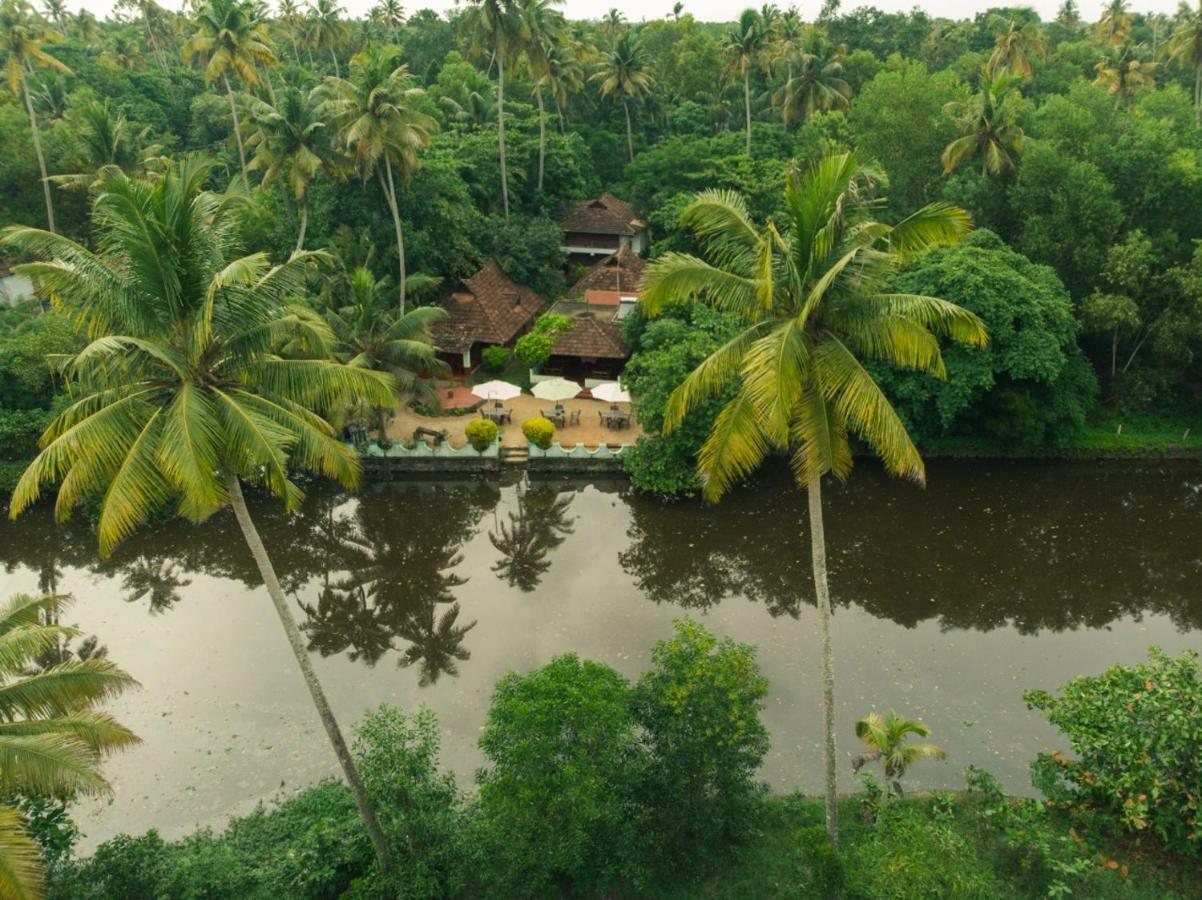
(565, 77)
(813, 294)
(1122, 72)
(375, 111)
(152, 20)
(817, 84)
(291, 22)
(181, 396)
(496, 25)
(788, 40)
(369, 333)
(886, 737)
(624, 77)
(24, 44)
(1185, 49)
(542, 28)
(229, 37)
(292, 142)
(103, 137)
(988, 123)
(52, 737)
(389, 15)
(1014, 46)
(326, 29)
(744, 43)
(1115, 25)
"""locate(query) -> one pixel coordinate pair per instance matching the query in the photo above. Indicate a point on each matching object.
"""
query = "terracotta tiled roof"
(621, 271)
(591, 337)
(489, 308)
(604, 215)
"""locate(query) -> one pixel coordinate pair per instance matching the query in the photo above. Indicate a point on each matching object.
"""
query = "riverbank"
(969, 844)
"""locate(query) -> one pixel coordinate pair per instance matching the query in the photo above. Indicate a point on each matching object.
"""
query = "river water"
(950, 602)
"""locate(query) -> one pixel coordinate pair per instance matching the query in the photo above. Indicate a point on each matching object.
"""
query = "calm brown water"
(950, 602)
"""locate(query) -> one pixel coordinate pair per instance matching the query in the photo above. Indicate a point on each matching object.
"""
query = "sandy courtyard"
(591, 431)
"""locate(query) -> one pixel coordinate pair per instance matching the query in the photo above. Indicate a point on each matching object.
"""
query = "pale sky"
(728, 10)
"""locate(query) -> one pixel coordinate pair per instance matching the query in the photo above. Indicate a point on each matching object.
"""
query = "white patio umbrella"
(555, 389)
(610, 391)
(496, 390)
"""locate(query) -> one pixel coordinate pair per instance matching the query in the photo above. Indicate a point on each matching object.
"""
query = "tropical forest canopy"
(416, 145)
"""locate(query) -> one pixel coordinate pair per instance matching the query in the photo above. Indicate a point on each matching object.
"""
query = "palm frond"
(20, 858)
(734, 449)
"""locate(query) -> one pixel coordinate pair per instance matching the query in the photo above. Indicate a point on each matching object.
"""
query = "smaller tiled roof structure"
(606, 214)
(620, 272)
(488, 308)
(591, 338)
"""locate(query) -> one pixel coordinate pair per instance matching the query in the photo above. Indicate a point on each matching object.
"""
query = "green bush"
(481, 433)
(699, 707)
(912, 853)
(557, 803)
(495, 359)
(539, 431)
(534, 348)
(1136, 732)
(420, 810)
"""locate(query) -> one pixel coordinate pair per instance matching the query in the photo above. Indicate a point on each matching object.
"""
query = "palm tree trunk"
(1198, 95)
(267, 571)
(304, 223)
(37, 148)
(1114, 353)
(542, 136)
(501, 127)
(559, 113)
(237, 130)
(822, 591)
(629, 133)
(334, 56)
(747, 104)
(270, 85)
(390, 192)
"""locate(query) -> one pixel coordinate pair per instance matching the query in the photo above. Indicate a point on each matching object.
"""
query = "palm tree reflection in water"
(539, 526)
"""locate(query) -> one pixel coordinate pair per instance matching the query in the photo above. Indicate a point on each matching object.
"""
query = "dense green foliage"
(1136, 736)
(594, 786)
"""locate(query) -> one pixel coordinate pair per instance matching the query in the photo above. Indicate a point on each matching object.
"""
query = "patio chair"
(574, 417)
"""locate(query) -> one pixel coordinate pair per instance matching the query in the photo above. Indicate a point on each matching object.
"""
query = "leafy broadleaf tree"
(180, 395)
(812, 295)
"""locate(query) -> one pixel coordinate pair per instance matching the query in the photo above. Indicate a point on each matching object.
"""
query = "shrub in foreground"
(481, 433)
(539, 431)
(1136, 732)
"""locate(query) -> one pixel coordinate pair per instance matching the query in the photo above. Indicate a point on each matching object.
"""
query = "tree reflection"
(390, 575)
(157, 580)
(539, 525)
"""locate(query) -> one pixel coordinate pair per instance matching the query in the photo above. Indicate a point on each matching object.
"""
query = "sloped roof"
(489, 307)
(591, 337)
(606, 214)
(621, 272)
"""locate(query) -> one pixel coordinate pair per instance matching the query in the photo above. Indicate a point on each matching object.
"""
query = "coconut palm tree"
(52, 737)
(813, 294)
(788, 40)
(744, 43)
(816, 85)
(103, 137)
(613, 23)
(152, 20)
(1014, 45)
(1185, 49)
(886, 739)
(291, 22)
(181, 395)
(24, 44)
(496, 25)
(435, 642)
(624, 77)
(389, 15)
(326, 30)
(369, 333)
(1115, 25)
(291, 142)
(229, 37)
(375, 111)
(1122, 72)
(988, 123)
(565, 76)
(542, 28)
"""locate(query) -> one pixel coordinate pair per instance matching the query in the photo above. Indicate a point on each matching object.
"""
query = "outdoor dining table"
(498, 414)
(617, 419)
(557, 415)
